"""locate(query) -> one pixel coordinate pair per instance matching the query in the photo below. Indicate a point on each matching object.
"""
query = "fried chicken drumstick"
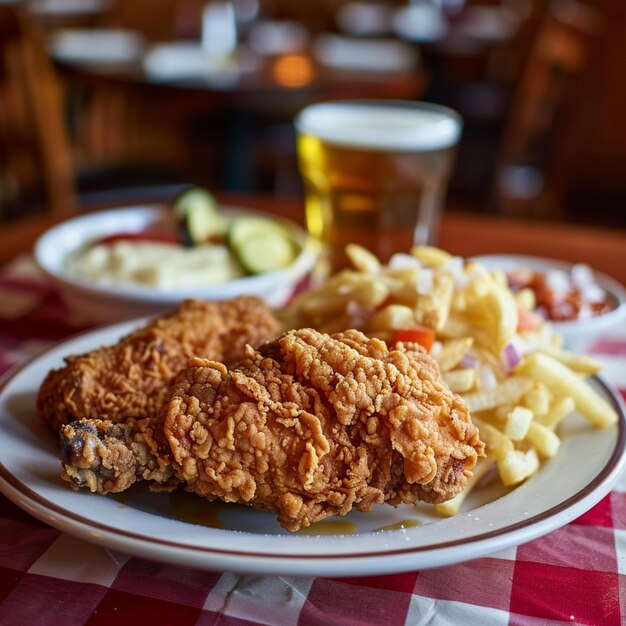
(130, 379)
(307, 426)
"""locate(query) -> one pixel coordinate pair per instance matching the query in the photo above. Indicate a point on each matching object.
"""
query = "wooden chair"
(36, 174)
(528, 175)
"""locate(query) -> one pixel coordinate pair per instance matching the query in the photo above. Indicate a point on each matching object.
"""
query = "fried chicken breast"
(312, 425)
(129, 380)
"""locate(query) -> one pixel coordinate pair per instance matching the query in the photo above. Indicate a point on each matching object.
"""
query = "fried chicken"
(109, 457)
(129, 380)
(307, 426)
(312, 425)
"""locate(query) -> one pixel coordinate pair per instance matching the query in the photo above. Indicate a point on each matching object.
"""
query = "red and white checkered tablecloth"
(574, 575)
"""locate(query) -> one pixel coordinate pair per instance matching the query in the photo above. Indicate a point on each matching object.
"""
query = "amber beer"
(375, 173)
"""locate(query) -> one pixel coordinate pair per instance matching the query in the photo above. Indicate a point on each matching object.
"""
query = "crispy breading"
(108, 457)
(129, 380)
(312, 425)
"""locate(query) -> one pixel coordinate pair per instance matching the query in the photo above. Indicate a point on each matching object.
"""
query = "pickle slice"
(262, 245)
(200, 216)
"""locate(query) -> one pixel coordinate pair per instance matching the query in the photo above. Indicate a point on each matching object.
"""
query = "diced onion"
(435, 349)
(424, 281)
(462, 281)
(487, 377)
(401, 261)
(582, 275)
(469, 361)
(559, 282)
(358, 313)
(510, 357)
(593, 293)
(454, 265)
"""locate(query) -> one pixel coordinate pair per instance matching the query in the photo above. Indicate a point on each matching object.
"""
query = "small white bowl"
(99, 303)
(577, 334)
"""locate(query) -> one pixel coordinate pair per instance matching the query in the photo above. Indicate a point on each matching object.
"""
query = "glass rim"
(397, 132)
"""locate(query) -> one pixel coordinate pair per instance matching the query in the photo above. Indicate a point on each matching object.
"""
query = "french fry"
(362, 260)
(514, 466)
(559, 409)
(545, 441)
(350, 281)
(480, 279)
(496, 442)
(501, 412)
(326, 303)
(581, 363)
(487, 357)
(431, 255)
(537, 399)
(392, 317)
(402, 283)
(505, 318)
(452, 352)
(461, 380)
(494, 303)
(517, 466)
(509, 391)
(459, 327)
(564, 382)
(432, 310)
(517, 423)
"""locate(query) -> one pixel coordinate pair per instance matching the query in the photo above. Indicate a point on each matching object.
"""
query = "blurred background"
(101, 99)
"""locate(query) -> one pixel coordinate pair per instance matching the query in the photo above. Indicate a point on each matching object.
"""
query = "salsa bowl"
(578, 333)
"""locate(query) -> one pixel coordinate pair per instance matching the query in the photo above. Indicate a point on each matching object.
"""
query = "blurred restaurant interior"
(125, 105)
(98, 96)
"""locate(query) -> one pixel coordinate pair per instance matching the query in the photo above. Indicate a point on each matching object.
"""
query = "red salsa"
(562, 296)
(156, 236)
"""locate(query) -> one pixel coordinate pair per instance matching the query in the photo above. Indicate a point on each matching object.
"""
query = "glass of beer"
(375, 173)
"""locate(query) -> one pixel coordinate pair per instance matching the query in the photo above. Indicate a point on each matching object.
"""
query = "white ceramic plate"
(96, 46)
(366, 55)
(189, 61)
(68, 8)
(227, 537)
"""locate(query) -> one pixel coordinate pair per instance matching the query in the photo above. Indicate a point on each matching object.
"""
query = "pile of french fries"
(507, 364)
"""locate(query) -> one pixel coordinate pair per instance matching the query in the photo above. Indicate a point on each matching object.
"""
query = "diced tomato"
(155, 236)
(527, 320)
(424, 336)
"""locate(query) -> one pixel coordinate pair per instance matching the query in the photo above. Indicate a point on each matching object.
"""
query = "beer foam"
(382, 126)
